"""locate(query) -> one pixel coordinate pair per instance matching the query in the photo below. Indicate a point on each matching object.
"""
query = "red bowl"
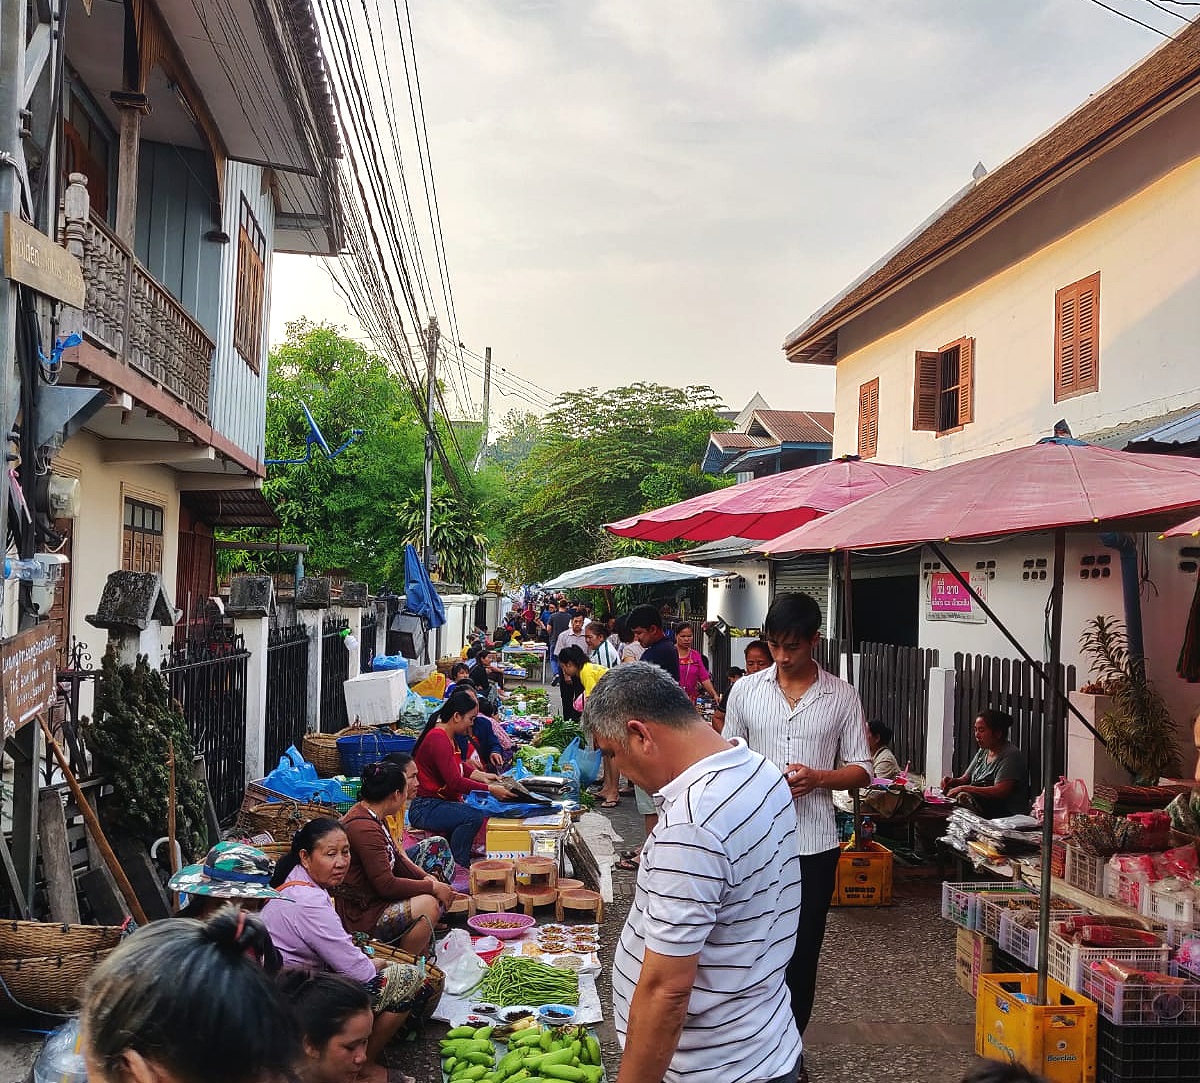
(515, 925)
(491, 956)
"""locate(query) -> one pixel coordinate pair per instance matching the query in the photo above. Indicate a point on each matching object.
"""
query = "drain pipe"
(1131, 593)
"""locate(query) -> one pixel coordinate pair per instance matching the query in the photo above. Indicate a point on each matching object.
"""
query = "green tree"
(455, 535)
(600, 456)
(347, 509)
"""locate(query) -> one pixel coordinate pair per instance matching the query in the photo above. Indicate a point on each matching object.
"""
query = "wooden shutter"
(966, 380)
(1077, 338)
(868, 419)
(925, 391)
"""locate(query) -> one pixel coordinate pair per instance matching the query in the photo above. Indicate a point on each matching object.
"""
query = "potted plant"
(1137, 729)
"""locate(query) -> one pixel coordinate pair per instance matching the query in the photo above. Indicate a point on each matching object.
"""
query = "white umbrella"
(627, 570)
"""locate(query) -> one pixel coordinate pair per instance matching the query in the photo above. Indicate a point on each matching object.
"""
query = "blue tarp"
(419, 595)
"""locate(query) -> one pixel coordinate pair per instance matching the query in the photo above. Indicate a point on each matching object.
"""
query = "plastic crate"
(1084, 871)
(1173, 907)
(1058, 860)
(1130, 889)
(960, 903)
(1136, 1005)
(992, 905)
(1057, 1039)
(864, 877)
(1021, 941)
(1147, 1054)
(1066, 960)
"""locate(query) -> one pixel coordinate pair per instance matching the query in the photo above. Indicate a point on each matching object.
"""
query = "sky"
(661, 190)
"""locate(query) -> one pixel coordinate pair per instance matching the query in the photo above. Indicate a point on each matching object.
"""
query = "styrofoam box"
(375, 699)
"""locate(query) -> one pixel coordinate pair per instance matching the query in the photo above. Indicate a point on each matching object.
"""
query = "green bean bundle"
(516, 979)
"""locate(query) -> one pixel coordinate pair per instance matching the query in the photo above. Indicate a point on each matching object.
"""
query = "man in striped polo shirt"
(810, 724)
(698, 977)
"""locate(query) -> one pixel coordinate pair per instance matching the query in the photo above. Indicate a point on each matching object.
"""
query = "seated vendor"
(995, 781)
(231, 872)
(443, 780)
(460, 677)
(305, 928)
(386, 893)
(487, 673)
(883, 760)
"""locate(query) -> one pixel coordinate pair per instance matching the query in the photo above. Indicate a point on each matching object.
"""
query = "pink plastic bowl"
(514, 926)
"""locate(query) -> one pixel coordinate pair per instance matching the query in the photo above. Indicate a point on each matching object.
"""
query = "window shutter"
(925, 391)
(1077, 338)
(868, 419)
(966, 380)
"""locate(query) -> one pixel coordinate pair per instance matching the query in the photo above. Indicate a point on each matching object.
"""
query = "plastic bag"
(296, 778)
(457, 959)
(588, 762)
(1070, 799)
(60, 1060)
(507, 810)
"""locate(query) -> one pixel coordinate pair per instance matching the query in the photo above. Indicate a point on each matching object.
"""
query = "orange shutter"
(925, 391)
(1077, 338)
(966, 380)
(868, 419)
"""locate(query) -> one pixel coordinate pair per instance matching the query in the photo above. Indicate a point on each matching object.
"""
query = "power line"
(1133, 19)
(1169, 11)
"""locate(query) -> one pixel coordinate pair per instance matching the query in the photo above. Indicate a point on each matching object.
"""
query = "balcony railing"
(131, 315)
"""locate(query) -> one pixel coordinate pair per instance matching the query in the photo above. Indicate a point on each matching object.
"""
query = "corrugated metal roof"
(739, 441)
(796, 426)
(1175, 427)
(231, 507)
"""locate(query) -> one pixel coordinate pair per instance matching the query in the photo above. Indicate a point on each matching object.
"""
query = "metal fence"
(893, 683)
(209, 681)
(287, 690)
(335, 669)
(74, 671)
(367, 638)
(1011, 685)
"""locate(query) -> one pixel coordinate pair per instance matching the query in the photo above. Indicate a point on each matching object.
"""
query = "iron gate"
(209, 681)
(367, 639)
(287, 690)
(335, 670)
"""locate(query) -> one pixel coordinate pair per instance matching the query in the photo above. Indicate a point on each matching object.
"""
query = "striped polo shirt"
(719, 877)
(824, 730)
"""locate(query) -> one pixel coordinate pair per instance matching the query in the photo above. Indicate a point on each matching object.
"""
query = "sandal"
(628, 864)
(611, 802)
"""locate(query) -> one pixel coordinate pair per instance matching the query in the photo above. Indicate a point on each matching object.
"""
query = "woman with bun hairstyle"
(152, 1012)
(386, 893)
(443, 781)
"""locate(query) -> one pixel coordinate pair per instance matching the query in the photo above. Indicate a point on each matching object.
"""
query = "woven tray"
(30, 939)
(48, 983)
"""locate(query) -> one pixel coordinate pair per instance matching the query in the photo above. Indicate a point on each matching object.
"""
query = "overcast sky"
(663, 189)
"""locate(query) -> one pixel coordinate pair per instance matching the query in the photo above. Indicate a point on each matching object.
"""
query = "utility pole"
(487, 400)
(431, 345)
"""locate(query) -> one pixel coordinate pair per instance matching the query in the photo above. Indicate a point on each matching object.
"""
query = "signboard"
(27, 665)
(949, 599)
(34, 260)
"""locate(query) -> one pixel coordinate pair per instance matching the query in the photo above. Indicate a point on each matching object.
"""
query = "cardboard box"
(974, 954)
(511, 838)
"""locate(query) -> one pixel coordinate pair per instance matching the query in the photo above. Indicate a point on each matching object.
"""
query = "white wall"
(743, 598)
(1001, 292)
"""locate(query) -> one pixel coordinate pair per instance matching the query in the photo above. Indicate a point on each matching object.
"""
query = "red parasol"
(1190, 529)
(1043, 487)
(766, 507)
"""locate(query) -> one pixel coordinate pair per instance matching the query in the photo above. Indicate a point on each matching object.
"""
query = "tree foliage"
(599, 456)
(455, 535)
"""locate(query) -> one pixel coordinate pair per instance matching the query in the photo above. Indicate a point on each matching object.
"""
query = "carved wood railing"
(130, 314)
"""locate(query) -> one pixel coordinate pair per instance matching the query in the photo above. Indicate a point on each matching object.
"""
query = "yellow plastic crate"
(1057, 1039)
(864, 877)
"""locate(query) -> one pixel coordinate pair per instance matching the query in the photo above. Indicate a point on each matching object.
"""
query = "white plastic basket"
(1066, 960)
(1130, 1004)
(992, 906)
(1173, 907)
(1020, 940)
(960, 903)
(1130, 889)
(1084, 871)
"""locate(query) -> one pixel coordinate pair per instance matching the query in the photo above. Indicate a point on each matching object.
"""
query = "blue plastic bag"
(588, 762)
(492, 806)
(296, 778)
(383, 662)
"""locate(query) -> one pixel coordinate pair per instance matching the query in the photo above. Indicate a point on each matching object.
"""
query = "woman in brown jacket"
(386, 893)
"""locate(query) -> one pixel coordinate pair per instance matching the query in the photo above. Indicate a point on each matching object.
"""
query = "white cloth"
(569, 638)
(824, 730)
(719, 878)
(606, 655)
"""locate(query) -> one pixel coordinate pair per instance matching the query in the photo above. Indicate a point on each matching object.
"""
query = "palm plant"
(456, 535)
(1138, 731)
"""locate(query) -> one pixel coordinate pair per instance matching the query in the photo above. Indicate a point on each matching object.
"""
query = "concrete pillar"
(251, 599)
(134, 609)
(355, 598)
(1087, 759)
(312, 601)
(939, 737)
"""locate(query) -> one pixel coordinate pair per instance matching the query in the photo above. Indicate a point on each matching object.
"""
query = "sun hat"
(232, 870)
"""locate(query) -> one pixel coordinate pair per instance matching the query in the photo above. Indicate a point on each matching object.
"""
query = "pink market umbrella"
(768, 506)
(1052, 486)
(1190, 529)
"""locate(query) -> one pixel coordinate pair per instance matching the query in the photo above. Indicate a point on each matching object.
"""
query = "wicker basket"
(46, 983)
(281, 819)
(26, 939)
(320, 749)
(276, 850)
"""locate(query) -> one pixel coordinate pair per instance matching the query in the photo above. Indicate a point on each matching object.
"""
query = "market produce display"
(532, 1053)
(517, 979)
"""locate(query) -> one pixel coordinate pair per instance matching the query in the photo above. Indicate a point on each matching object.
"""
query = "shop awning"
(231, 507)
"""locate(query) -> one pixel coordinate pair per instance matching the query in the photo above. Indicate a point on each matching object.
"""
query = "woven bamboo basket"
(398, 955)
(30, 939)
(46, 983)
(276, 850)
(281, 819)
(320, 749)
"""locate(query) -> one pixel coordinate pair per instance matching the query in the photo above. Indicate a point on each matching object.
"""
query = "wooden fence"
(893, 683)
(1010, 685)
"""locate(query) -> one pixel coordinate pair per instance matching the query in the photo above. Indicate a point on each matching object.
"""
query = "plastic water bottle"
(30, 570)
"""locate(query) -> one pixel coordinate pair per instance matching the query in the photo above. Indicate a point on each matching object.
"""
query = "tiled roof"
(1159, 81)
(796, 426)
(739, 441)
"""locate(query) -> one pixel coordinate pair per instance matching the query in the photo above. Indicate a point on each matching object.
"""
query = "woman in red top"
(443, 781)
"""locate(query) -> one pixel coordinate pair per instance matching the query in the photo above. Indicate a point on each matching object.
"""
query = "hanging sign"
(34, 260)
(950, 600)
(27, 666)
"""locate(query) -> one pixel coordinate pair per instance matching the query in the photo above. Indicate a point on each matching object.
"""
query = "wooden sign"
(27, 665)
(34, 260)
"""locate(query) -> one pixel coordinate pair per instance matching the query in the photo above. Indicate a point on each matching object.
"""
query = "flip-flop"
(613, 803)
(629, 864)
